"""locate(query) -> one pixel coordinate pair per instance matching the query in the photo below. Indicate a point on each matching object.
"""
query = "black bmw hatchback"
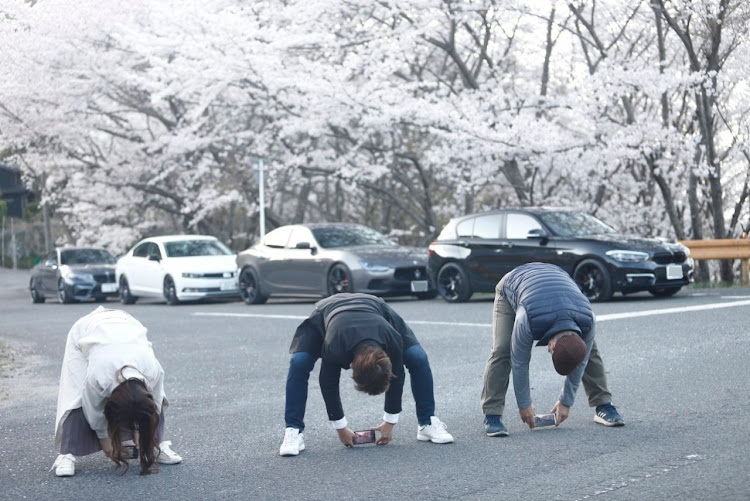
(473, 252)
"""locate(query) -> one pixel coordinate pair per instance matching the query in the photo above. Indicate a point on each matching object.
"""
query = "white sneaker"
(167, 455)
(65, 465)
(434, 432)
(293, 443)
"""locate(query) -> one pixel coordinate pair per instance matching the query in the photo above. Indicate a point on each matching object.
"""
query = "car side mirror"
(154, 257)
(537, 233)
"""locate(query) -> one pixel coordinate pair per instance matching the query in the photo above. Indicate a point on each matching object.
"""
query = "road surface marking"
(599, 318)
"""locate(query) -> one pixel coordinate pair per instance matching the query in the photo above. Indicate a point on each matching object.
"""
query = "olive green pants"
(497, 371)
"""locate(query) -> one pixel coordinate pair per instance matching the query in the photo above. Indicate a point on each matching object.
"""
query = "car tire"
(453, 283)
(64, 294)
(427, 295)
(593, 280)
(36, 296)
(126, 297)
(664, 291)
(339, 280)
(170, 291)
(250, 287)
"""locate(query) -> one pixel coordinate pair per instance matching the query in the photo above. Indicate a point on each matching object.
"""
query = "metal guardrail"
(723, 248)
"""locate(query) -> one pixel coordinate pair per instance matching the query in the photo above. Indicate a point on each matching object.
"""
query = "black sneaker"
(607, 415)
(494, 427)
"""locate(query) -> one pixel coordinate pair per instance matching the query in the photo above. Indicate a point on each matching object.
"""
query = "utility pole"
(14, 256)
(261, 199)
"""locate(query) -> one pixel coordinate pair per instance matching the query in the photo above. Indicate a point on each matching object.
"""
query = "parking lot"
(677, 368)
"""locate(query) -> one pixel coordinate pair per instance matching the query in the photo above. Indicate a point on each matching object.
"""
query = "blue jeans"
(302, 363)
(422, 386)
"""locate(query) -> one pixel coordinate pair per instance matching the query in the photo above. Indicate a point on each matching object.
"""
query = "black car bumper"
(81, 292)
(642, 278)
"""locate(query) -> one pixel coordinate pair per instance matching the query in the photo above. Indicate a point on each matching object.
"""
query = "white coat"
(99, 345)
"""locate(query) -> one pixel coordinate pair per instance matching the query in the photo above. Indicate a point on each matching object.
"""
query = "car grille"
(411, 273)
(104, 277)
(213, 275)
(669, 257)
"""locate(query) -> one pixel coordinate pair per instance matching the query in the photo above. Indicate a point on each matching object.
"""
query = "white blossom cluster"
(137, 117)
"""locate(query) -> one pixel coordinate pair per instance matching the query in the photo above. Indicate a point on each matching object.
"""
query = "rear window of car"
(277, 238)
(486, 226)
(465, 228)
(191, 248)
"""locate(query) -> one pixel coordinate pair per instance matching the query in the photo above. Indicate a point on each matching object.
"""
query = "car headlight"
(628, 256)
(374, 267)
(684, 248)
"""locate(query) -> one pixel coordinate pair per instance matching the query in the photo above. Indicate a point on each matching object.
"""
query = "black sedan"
(74, 274)
(473, 252)
(318, 260)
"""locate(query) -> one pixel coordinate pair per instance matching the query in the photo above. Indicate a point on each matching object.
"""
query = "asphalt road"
(677, 368)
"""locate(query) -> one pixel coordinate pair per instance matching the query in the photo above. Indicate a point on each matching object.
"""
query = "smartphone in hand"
(541, 420)
(364, 437)
(129, 452)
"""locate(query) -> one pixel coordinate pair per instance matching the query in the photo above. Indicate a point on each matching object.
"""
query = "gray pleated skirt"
(80, 440)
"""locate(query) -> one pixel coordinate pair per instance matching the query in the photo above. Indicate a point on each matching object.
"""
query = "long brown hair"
(371, 369)
(132, 406)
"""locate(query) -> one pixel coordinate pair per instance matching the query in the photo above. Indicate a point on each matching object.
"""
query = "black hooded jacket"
(337, 326)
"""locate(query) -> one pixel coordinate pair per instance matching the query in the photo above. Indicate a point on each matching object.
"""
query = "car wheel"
(126, 297)
(664, 291)
(339, 280)
(36, 296)
(249, 287)
(427, 295)
(170, 291)
(63, 292)
(593, 280)
(453, 283)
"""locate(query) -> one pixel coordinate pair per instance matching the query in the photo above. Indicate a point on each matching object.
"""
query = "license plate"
(227, 285)
(109, 287)
(419, 285)
(674, 272)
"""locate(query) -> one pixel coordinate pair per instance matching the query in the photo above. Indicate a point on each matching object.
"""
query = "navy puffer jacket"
(552, 300)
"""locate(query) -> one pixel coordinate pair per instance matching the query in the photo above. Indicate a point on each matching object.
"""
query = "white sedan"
(177, 268)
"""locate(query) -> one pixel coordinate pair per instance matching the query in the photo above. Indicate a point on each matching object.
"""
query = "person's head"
(371, 369)
(568, 350)
(132, 406)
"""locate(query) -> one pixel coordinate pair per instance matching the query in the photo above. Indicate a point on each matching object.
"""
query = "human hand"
(106, 444)
(386, 433)
(527, 416)
(561, 411)
(346, 436)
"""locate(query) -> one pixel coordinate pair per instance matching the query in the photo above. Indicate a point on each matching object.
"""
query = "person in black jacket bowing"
(361, 332)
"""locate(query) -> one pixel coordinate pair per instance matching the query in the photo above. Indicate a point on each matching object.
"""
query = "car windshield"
(86, 256)
(574, 224)
(190, 248)
(348, 236)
